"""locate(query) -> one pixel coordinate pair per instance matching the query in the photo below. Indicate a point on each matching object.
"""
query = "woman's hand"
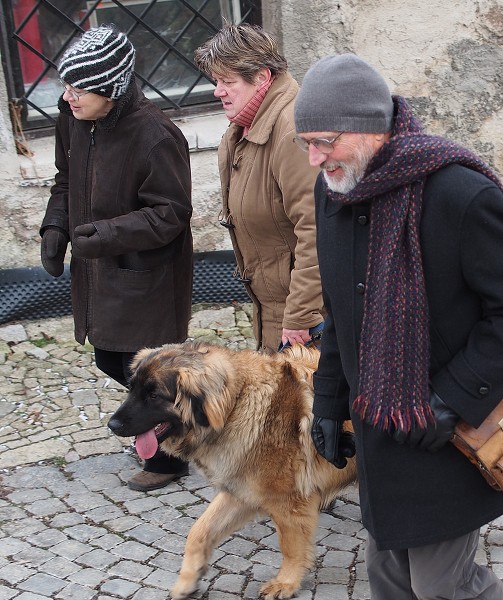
(296, 336)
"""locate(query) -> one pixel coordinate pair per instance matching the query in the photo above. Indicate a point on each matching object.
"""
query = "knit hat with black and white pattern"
(101, 61)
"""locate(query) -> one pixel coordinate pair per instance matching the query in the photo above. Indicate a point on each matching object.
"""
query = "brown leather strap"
(484, 446)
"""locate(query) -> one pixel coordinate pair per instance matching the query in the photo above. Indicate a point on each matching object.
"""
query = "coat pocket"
(284, 264)
(135, 307)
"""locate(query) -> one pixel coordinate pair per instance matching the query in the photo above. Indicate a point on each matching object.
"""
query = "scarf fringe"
(389, 418)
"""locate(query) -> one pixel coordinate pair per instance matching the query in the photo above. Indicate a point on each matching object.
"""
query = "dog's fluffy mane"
(206, 373)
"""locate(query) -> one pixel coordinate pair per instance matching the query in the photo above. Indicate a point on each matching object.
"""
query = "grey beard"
(354, 171)
(351, 178)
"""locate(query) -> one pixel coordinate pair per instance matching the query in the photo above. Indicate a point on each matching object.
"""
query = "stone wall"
(445, 57)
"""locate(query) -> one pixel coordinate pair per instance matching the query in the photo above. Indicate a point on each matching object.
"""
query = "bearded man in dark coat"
(410, 240)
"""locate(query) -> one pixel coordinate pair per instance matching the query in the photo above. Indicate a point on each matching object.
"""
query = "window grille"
(35, 33)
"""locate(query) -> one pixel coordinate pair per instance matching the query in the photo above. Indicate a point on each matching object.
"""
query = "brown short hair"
(242, 49)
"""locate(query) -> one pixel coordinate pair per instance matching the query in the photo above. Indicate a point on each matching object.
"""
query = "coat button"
(360, 288)
(363, 220)
(483, 390)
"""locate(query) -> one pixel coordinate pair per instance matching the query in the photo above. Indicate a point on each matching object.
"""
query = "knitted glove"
(86, 242)
(332, 442)
(53, 250)
(437, 434)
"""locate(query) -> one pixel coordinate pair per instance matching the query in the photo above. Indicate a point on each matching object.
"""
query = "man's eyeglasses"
(323, 145)
(74, 94)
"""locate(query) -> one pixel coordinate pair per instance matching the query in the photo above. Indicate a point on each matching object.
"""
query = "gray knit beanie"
(343, 93)
(101, 61)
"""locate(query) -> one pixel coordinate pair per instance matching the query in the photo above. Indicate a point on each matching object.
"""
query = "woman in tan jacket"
(267, 187)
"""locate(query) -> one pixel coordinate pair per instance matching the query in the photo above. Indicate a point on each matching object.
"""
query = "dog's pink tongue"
(146, 444)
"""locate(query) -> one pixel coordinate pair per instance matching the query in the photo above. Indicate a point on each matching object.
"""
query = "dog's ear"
(202, 396)
(197, 405)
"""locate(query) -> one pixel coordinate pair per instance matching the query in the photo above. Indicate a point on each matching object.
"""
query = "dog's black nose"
(115, 425)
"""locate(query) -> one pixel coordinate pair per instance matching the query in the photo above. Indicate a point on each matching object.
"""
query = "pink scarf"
(245, 116)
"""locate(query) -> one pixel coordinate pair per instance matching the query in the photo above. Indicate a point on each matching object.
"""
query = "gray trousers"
(444, 571)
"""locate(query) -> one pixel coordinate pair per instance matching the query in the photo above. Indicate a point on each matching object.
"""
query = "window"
(165, 33)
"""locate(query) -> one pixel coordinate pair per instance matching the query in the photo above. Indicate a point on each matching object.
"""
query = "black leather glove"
(332, 442)
(86, 242)
(53, 250)
(437, 434)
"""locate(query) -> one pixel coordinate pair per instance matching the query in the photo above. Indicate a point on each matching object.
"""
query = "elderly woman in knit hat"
(122, 199)
(267, 186)
(410, 239)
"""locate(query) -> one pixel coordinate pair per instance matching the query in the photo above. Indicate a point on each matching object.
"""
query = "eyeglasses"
(323, 145)
(75, 95)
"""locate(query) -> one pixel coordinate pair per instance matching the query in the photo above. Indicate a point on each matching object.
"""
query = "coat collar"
(280, 94)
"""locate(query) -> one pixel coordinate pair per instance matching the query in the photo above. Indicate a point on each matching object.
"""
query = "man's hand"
(332, 442)
(437, 434)
(53, 250)
(86, 242)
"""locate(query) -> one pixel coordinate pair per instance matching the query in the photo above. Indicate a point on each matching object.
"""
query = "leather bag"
(484, 446)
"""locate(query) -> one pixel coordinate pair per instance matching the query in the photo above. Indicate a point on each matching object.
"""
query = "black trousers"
(117, 366)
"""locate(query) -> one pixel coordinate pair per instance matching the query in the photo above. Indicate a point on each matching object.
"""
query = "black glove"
(437, 434)
(53, 250)
(86, 242)
(332, 442)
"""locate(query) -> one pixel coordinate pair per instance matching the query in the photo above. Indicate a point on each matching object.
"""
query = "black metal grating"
(30, 293)
(214, 279)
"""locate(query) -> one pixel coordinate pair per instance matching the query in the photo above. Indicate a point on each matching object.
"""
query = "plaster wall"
(445, 57)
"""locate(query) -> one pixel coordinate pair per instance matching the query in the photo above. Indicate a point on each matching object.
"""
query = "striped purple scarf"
(395, 347)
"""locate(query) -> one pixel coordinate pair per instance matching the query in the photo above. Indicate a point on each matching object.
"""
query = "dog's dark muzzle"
(118, 427)
(129, 421)
(164, 428)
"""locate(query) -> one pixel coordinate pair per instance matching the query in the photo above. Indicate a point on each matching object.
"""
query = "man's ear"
(382, 138)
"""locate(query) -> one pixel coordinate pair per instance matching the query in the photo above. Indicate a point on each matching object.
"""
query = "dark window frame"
(11, 41)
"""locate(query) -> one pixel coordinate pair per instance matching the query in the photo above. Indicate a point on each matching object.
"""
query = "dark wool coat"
(411, 497)
(129, 175)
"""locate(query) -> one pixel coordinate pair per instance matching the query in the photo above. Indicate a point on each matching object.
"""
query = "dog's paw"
(183, 589)
(274, 589)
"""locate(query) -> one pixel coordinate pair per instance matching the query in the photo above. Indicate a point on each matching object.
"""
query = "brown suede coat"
(129, 175)
(267, 189)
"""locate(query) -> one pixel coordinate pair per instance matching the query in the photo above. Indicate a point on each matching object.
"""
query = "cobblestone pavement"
(71, 529)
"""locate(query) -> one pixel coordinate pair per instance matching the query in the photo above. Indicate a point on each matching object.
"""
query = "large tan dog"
(244, 419)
